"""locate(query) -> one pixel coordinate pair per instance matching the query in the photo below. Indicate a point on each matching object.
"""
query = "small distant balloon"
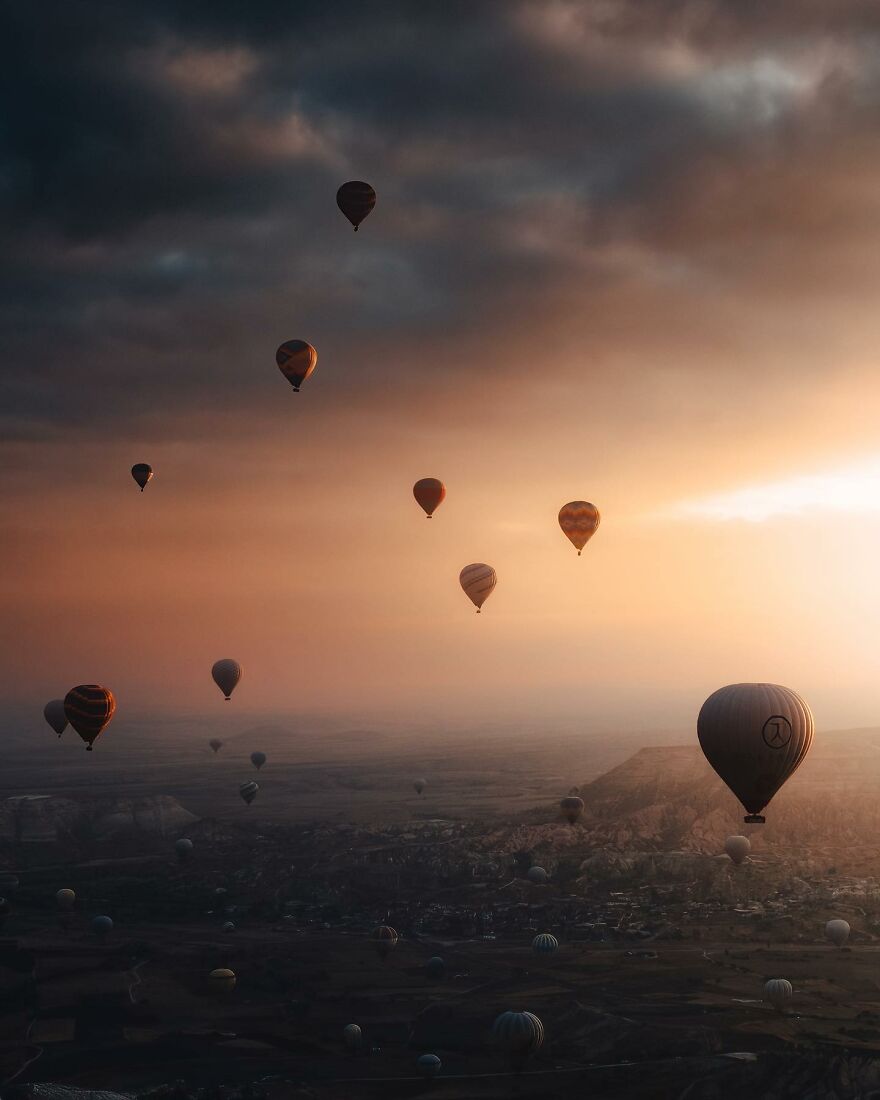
(435, 967)
(54, 714)
(385, 940)
(226, 675)
(102, 927)
(430, 494)
(296, 360)
(738, 848)
(428, 1065)
(352, 1036)
(478, 581)
(258, 759)
(248, 791)
(419, 785)
(89, 709)
(184, 849)
(778, 992)
(545, 944)
(837, 931)
(227, 926)
(65, 899)
(355, 199)
(571, 808)
(221, 981)
(216, 744)
(537, 875)
(142, 472)
(579, 521)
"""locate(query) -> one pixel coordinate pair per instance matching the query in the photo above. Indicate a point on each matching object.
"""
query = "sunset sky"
(625, 251)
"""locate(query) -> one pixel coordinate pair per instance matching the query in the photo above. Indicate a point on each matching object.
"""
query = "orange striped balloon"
(296, 360)
(89, 709)
(579, 521)
(478, 581)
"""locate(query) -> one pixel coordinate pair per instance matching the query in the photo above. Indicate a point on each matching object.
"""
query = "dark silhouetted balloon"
(142, 472)
(545, 944)
(226, 675)
(248, 791)
(435, 967)
(296, 360)
(571, 807)
(221, 981)
(258, 759)
(537, 875)
(430, 494)
(89, 709)
(419, 785)
(428, 1065)
(755, 736)
(227, 926)
(518, 1035)
(102, 927)
(216, 744)
(478, 581)
(778, 992)
(385, 940)
(54, 714)
(352, 1036)
(183, 848)
(65, 899)
(355, 199)
(579, 521)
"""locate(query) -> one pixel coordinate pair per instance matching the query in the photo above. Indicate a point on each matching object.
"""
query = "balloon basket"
(755, 819)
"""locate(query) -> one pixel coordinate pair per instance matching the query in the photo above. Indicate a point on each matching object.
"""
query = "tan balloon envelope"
(478, 581)
(778, 992)
(837, 931)
(579, 521)
(738, 848)
(755, 736)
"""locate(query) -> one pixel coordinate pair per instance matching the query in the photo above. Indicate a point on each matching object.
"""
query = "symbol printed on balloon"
(776, 731)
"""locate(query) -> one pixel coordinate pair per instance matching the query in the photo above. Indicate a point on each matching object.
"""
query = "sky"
(626, 251)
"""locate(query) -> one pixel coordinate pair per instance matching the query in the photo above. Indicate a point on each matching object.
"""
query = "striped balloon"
(54, 714)
(518, 1034)
(352, 1036)
(226, 674)
(430, 494)
(142, 472)
(221, 980)
(579, 521)
(385, 939)
(478, 581)
(89, 709)
(248, 791)
(545, 944)
(355, 199)
(296, 360)
(778, 992)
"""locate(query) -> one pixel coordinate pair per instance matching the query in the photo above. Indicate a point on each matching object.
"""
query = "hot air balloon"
(89, 709)
(428, 1065)
(419, 785)
(755, 736)
(579, 521)
(352, 1036)
(355, 199)
(537, 875)
(517, 1035)
(227, 926)
(54, 714)
(248, 791)
(258, 759)
(65, 899)
(221, 981)
(385, 940)
(296, 360)
(226, 675)
(183, 849)
(215, 744)
(837, 931)
(738, 848)
(572, 807)
(778, 992)
(478, 582)
(435, 967)
(545, 944)
(142, 472)
(430, 494)
(102, 927)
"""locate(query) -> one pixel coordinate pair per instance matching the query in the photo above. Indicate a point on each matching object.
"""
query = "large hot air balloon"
(226, 675)
(517, 1035)
(65, 899)
(545, 944)
(419, 785)
(430, 494)
(183, 849)
(537, 875)
(429, 1065)
(248, 791)
(755, 736)
(355, 199)
(579, 521)
(837, 931)
(296, 360)
(352, 1036)
(571, 807)
(216, 744)
(738, 848)
(221, 981)
(102, 927)
(478, 582)
(54, 714)
(385, 940)
(778, 992)
(258, 759)
(89, 709)
(142, 472)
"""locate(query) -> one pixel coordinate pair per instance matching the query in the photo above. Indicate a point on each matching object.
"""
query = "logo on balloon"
(776, 731)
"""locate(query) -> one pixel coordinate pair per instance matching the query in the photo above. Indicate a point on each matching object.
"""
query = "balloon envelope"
(89, 709)
(216, 744)
(572, 807)
(385, 938)
(837, 931)
(221, 980)
(183, 848)
(226, 675)
(579, 521)
(65, 899)
(545, 944)
(258, 759)
(296, 360)
(738, 848)
(102, 926)
(429, 1065)
(778, 992)
(518, 1034)
(419, 785)
(355, 199)
(248, 791)
(478, 581)
(54, 714)
(537, 875)
(352, 1036)
(430, 494)
(142, 472)
(755, 736)
(435, 967)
